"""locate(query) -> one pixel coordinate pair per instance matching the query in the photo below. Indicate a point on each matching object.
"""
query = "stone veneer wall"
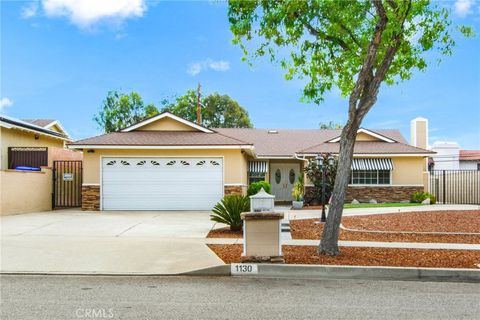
(233, 190)
(91, 198)
(380, 194)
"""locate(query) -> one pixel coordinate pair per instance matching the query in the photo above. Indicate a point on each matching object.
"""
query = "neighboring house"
(449, 156)
(30, 143)
(168, 163)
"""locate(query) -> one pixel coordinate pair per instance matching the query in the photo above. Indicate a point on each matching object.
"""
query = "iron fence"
(455, 186)
(27, 157)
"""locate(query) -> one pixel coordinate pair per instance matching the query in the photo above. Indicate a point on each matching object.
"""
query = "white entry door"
(154, 183)
(282, 178)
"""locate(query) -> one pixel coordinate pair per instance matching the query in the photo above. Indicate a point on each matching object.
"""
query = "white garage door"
(161, 183)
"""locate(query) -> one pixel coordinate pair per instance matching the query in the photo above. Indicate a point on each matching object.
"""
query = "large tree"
(352, 45)
(120, 110)
(218, 111)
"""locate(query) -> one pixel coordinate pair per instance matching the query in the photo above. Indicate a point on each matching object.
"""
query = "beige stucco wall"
(167, 124)
(235, 162)
(18, 138)
(22, 192)
(365, 137)
(408, 170)
(419, 133)
(262, 237)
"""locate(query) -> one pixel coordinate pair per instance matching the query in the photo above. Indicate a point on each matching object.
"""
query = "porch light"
(319, 160)
(330, 160)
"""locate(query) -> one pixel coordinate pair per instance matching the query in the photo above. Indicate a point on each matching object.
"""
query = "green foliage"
(121, 110)
(298, 189)
(229, 209)
(218, 111)
(314, 175)
(325, 43)
(330, 125)
(419, 196)
(255, 187)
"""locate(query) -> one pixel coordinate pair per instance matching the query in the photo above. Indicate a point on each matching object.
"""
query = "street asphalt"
(102, 297)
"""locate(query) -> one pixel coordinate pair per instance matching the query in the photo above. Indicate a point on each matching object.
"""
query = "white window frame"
(367, 185)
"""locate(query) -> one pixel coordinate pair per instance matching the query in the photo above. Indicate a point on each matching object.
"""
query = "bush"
(255, 187)
(228, 211)
(298, 188)
(419, 196)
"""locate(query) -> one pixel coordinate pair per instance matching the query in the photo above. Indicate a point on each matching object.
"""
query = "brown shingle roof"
(287, 142)
(39, 122)
(469, 155)
(368, 147)
(161, 138)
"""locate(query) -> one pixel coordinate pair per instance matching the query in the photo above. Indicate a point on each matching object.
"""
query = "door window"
(291, 176)
(278, 176)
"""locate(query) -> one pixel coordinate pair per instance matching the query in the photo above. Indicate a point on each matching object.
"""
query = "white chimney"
(419, 133)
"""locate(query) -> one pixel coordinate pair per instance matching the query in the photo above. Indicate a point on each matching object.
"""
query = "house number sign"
(243, 269)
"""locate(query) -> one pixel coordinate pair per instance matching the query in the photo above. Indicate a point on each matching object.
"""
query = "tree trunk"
(329, 243)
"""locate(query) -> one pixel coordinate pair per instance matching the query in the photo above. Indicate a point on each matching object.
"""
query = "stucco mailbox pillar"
(262, 237)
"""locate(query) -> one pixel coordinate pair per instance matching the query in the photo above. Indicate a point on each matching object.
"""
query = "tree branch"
(319, 34)
(369, 58)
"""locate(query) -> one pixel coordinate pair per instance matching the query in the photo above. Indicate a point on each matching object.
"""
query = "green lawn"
(379, 205)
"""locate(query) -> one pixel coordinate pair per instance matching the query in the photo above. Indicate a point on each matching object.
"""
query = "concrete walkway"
(406, 245)
(72, 241)
(310, 214)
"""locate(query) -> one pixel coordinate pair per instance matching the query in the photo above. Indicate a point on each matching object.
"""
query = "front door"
(282, 178)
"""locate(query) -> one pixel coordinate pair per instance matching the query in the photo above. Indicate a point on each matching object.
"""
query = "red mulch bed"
(224, 233)
(461, 221)
(307, 229)
(355, 256)
(434, 221)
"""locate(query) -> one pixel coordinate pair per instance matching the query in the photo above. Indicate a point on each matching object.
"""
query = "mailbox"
(262, 202)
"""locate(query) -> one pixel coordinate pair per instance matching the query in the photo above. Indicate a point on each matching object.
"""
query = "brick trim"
(233, 190)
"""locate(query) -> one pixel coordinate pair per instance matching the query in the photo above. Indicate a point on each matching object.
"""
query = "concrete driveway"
(74, 241)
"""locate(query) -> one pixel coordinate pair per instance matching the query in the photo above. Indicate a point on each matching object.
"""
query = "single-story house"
(32, 143)
(168, 163)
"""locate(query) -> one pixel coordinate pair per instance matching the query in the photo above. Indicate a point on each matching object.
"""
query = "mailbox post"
(262, 230)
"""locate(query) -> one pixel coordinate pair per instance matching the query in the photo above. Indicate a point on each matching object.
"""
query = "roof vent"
(272, 131)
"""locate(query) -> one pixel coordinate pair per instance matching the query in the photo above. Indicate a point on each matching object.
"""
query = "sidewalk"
(309, 214)
(405, 245)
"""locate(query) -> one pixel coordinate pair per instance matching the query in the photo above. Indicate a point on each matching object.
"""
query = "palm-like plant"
(228, 211)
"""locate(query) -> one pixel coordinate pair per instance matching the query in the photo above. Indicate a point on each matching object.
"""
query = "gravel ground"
(308, 229)
(355, 256)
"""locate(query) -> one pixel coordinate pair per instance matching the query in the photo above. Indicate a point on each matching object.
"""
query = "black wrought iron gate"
(67, 184)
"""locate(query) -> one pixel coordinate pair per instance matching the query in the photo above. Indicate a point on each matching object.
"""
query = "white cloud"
(86, 13)
(208, 64)
(462, 7)
(30, 10)
(5, 102)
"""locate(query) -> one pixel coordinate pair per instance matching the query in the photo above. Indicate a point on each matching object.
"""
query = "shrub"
(297, 191)
(419, 196)
(254, 187)
(228, 211)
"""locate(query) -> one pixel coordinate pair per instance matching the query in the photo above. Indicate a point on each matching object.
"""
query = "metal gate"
(455, 186)
(67, 184)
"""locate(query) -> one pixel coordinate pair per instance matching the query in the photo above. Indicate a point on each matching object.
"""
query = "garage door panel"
(161, 183)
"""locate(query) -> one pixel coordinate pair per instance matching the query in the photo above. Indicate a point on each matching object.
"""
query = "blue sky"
(59, 59)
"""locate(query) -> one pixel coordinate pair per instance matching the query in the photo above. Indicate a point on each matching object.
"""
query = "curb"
(346, 272)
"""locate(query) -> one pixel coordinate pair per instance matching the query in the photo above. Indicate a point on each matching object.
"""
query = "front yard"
(426, 227)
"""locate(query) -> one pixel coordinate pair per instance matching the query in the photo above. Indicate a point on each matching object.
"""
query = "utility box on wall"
(262, 202)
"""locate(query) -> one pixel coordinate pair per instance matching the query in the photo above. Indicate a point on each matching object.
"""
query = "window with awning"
(371, 171)
(257, 170)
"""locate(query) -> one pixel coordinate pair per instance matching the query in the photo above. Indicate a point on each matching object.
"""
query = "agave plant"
(228, 211)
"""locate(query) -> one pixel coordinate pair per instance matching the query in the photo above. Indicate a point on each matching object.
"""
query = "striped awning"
(372, 164)
(257, 166)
